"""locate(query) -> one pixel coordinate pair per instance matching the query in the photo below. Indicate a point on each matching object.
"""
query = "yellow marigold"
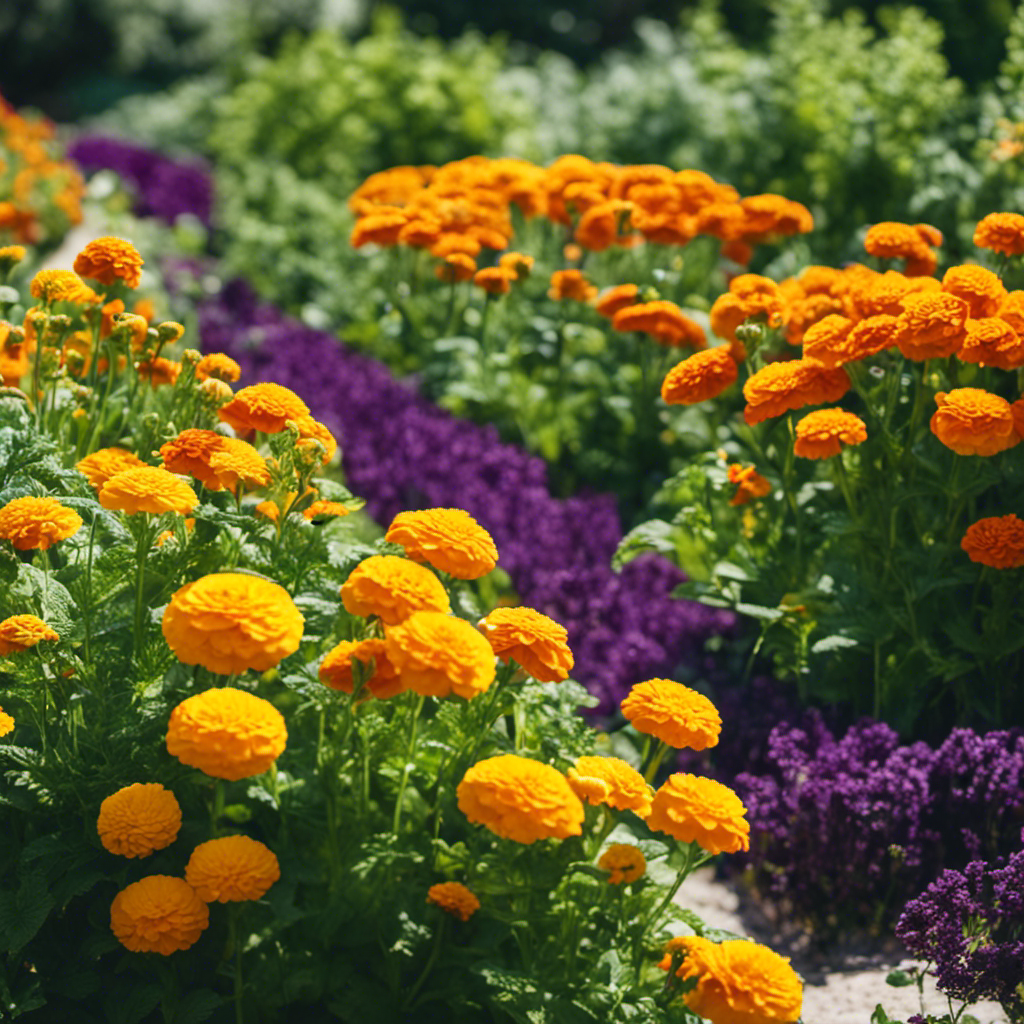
(533, 640)
(893, 240)
(779, 387)
(494, 280)
(997, 541)
(230, 621)
(312, 429)
(20, 632)
(266, 407)
(454, 898)
(520, 799)
(238, 462)
(381, 677)
(674, 713)
(158, 914)
(822, 433)
(624, 787)
(148, 489)
(974, 422)
(6, 723)
(571, 284)
(110, 259)
(219, 366)
(992, 341)
(1001, 232)
(436, 655)
(11, 255)
(449, 539)
(702, 376)
(30, 523)
(54, 285)
(139, 820)
(982, 290)
(933, 325)
(614, 299)
(518, 262)
(325, 509)
(216, 392)
(750, 484)
(456, 266)
(693, 809)
(624, 863)
(662, 320)
(232, 869)
(226, 733)
(392, 588)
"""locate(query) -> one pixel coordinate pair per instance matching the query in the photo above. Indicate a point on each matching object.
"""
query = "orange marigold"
(674, 713)
(382, 228)
(110, 259)
(520, 799)
(392, 588)
(229, 622)
(158, 914)
(533, 640)
(238, 462)
(750, 484)
(381, 677)
(218, 366)
(702, 376)
(159, 371)
(436, 655)
(148, 489)
(449, 539)
(226, 733)
(825, 340)
(518, 262)
(624, 863)
(982, 290)
(20, 632)
(974, 422)
(662, 320)
(30, 523)
(6, 723)
(495, 280)
(313, 430)
(700, 810)
(322, 509)
(622, 786)
(869, 337)
(780, 387)
(232, 869)
(571, 284)
(894, 240)
(997, 541)
(139, 820)
(933, 325)
(822, 433)
(99, 467)
(456, 266)
(992, 341)
(54, 285)
(214, 460)
(1012, 311)
(266, 407)
(727, 312)
(454, 898)
(1001, 232)
(614, 299)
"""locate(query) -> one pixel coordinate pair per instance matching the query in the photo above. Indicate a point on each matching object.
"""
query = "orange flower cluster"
(750, 296)
(265, 407)
(997, 541)
(392, 588)
(109, 260)
(149, 489)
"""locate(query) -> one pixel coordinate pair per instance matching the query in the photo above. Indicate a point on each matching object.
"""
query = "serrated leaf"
(197, 1006)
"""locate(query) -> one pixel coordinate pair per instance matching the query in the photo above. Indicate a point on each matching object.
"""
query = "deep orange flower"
(750, 484)
(624, 863)
(620, 785)
(453, 243)
(139, 820)
(974, 422)
(449, 539)
(159, 371)
(158, 914)
(571, 284)
(321, 509)
(518, 262)
(379, 228)
(702, 376)
(673, 713)
(219, 366)
(392, 588)
(992, 342)
(266, 407)
(893, 240)
(780, 387)
(232, 869)
(696, 189)
(997, 541)
(1012, 311)
(420, 233)
(614, 299)
(454, 898)
(869, 337)
(1001, 232)
(494, 280)
(30, 523)
(760, 296)
(601, 226)
(20, 632)
(771, 214)
(381, 677)
(110, 259)
(728, 311)
(932, 325)
(982, 290)
(822, 434)
(693, 809)
(533, 640)
(817, 280)
(724, 220)
(825, 340)
(148, 489)
(215, 460)
(456, 266)
(662, 320)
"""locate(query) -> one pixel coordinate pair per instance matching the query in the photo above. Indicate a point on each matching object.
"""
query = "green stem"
(410, 744)
(435, 952)
(141, 554)
(659, 756)
(236, 948)
(844, 485)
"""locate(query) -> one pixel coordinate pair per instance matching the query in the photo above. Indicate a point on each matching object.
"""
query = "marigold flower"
(518, 262)
(381, 228)
(54, 285)
(822, 433)
(321, 509)
(266, 407)
(824, 341)
(454, 898)
(533, 640)
(1001, 232)
(231, 869)
(624, 863)
(159, 371)
(215, 460)
(771, 214)
(982, 290)
(216, 392)
(662, 320)
(381, 677)
(30, 523)
(226, 733)
(147, 489)
(698, 189)
(11, 256)
(571, 284)
(674, 713)
(392, 588)
(693, 809)
(420, 233)
(520, 799)
(750, 484)
(453, 243)
(229, 622)
(760, 296)
(218, 366)
(893, 240)
(437, 655)
(932, 325)
(614, 299)
(868, 338)
(728, 311)
(623, 788)
(1012, 311)
(974, 422)
(6, 723)
(449, 539)
(494, 280)
(238, 462)
(457, 266)
(110, 259)
(780, 387)
(724, 220)
(997, 541)
(20, 632)
(702, 376)
(992, 341)
(158, 914)
(139, 820)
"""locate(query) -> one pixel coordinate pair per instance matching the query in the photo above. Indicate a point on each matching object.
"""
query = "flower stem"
(410, 744)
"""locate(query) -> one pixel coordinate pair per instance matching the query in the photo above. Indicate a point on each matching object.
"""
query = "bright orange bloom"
(20, 632)
(215, 460)
(982, 290)
(893, 240)
(159, 371)
(779, 387)
(148, 489)
(728, 311)
(139, 820)
(673, 713)
(457, 266)
(624, 863)
(1012, 311)
(621, 785)
(614, 299)
(311, 429)
(571, 284)
(693, 809)
(321, 509)
(992, 342)
(533, 640)
(158, 914)
(495, 280)
(392, 588)
(109, 260)
(997, 541)
(232, 869)
(750, 484)
(219, 366)
(760, 296)
(822, 434)
(1001, 232)
(381, 228)
(420, 233)
(381, 677)
(724, 220)
(702, 376)
(518, 262)
(825, 340)
(454, 898)
(771, 214)
(932, 325)
(266, 407)
(449, 539)
(30, 523)
(974, 422)
(6, 723)
(662, 320)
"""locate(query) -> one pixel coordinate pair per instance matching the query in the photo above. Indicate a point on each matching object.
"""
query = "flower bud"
(216, 392)
(190, 357)
(169, 332)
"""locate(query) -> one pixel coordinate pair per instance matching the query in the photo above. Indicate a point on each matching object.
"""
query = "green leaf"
(759, 611)
(832, 643)
(655, 535)
(22, 913)
(899, 979)
(197, 1006)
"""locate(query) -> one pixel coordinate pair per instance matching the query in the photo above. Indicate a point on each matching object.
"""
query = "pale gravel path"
(842, 992)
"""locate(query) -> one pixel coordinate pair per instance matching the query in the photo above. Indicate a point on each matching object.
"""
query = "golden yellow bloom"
(702, 376)
(1001, 232)
(700, 810)
(623, 862)
(216, 392)
(60, 286)
(449, 539)
(20, 632)
(436, 655)
(674, 713)
(537, 643)
(392, 588)
(992, 341)
(138, 820)
(933, 325)
(148, 489)
(158, 914)
(236, 461)
(218, 366)
(624, 787)
(997, 541)
(6, 723)
(520, 799)
(325, 509)
(30, 523)
(383, 680)
(232, 869)
(110, 259)
(982, 290)
(792, 384)
(310, 428)
(99, 467)
(226, 733)
(821, 434)
(229, 622)
(571, 284)
(454, 898)
(266, 407)
(11, 255)
(974, 422)
(495, 280)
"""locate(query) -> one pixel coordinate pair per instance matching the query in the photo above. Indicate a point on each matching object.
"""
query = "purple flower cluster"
(401, 451)
(163, 187)
(970, 924)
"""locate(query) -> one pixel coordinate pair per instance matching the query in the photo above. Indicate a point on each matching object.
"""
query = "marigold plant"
(699, 810)
(20, 632)
(392, 588)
